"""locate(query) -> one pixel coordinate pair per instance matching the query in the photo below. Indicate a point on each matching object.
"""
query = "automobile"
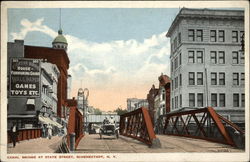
(109, 130)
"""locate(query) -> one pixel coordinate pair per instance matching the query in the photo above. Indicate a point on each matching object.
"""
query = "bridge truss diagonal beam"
(203, 123)
(138, 125)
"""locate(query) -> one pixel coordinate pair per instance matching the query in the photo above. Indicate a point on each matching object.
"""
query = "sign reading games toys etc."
(25, 77)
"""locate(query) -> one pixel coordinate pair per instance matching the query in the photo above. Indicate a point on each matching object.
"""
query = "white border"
(126, 4)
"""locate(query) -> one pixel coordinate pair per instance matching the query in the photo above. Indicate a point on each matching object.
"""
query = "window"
(175, 43)
(200, 56)
(191, 78)
(191, 34)
(172, 48)
(179, 38)
(176, 101)
(213, 57)
(214, 100)
(221, 57)
(163, 95)
(242, 100)
(180, 80)
(172, 84)
(199, 78)
(242, 58)
(241, 35)
(191, 56)
(213, 35)
(30, 107)
(213, 79)
(191, 100)
(180, 100)
(242, 79)
(200, 99)
(176, 82)
(235, 57)
(222, 99)
(176, 63)
(236, 100)
(172, 103)
(234, 36)
(221, 36)
(180, 59)
(235, 79)
(199, 35)
(221, 78)
(172, 66)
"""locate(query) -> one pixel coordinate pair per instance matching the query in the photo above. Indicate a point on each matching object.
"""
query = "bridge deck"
(93, 144)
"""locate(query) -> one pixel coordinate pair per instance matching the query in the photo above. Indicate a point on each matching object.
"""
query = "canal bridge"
(198, 130)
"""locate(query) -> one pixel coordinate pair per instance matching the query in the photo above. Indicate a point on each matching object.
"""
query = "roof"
(60, 38)
(163, 79)
(51, 54)
(205, 13)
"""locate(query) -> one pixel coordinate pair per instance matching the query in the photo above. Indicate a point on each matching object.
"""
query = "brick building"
(159, 98)
(58, 56)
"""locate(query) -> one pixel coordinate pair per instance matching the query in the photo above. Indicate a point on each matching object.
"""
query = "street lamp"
(85, 104)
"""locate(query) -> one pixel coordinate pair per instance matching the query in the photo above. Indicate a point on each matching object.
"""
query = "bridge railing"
(75, 126)
(26, 134)
(205, 124)
(138, 125)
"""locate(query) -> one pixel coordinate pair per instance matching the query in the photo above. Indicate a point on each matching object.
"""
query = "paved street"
(93, 144)
(39, 145)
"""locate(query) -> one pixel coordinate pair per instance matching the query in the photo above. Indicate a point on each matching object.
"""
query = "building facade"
(153, 92)
(58, 56)
(141, 103)
(135, 103)
(49, 81)
(31, 111)
(207, 65)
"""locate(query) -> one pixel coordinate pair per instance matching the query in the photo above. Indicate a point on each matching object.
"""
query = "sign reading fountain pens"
(25, 77)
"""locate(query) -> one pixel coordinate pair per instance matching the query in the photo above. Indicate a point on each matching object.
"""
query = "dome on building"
(60, 41)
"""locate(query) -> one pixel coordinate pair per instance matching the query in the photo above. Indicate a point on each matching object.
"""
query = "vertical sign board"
(25, 77)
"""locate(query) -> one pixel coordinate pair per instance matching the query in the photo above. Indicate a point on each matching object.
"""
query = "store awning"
(31, 101)
(21, 116)
(47, 120)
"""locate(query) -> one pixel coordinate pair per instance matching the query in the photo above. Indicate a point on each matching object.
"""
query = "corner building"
(56, 55)
(207, 64)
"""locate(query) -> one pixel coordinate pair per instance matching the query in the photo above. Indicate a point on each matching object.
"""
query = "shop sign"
(25, 77)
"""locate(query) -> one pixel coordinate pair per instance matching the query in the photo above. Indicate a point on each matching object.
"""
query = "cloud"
(28, 26)
(110, 65)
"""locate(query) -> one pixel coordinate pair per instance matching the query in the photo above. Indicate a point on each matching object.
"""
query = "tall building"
(32, 89)
(207, 66)
(56, 55)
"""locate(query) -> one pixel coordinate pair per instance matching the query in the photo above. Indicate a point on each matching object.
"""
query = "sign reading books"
(25, 77)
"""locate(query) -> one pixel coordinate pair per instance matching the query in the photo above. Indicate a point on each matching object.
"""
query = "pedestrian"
(49, 131)
(106, 121)
(43, 131)
(14, 134)
(65, 130)
(112, 120)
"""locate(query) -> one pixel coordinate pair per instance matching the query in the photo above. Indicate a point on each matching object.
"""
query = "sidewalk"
(39, 145)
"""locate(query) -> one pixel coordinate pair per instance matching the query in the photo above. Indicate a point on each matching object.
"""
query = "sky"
(117, 53)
